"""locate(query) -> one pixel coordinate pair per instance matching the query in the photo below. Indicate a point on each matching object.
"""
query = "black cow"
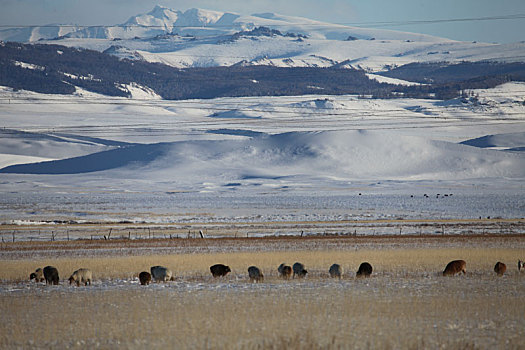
(299, 270)
(365, 270)
(145, 278)
(51, 275)
(219, 270)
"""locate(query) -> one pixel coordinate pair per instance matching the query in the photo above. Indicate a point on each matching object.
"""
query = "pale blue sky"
(352, 12)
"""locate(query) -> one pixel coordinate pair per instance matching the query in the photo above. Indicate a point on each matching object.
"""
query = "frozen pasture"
(406, 303)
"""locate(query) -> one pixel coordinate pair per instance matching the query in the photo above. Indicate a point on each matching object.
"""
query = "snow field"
(181, 155)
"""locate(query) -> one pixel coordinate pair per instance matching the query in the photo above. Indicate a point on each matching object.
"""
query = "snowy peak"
(159, 16)
(199, 18)
(162, 12)
(163, 16)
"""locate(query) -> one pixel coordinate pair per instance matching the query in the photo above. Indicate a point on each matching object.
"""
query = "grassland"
(405, 304)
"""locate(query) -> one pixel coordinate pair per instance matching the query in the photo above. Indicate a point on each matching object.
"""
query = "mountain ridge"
(205, 38)
(166, 19)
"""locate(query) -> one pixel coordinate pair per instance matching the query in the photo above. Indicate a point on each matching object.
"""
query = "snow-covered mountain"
(203, 38)
(202, 23)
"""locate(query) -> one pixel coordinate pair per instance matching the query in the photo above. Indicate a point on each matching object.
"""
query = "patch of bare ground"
(162, 246)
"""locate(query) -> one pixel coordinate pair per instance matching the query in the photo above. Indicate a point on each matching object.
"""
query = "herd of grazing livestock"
(163, 274)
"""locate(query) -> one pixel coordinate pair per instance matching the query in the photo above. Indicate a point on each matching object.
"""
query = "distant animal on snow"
(161, 273)
(285, 271)
(336, 271)
(455, 267)
(365, 270)
(299, 270)
(255, 274)
(521, 265)
(81, 276)
(219, 270)
(51, 275)
(38, 275)
(144, 278)
(500, 268)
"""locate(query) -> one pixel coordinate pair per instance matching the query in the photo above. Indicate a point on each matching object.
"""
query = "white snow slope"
(301, 156)
(106, 158)
(200, 38)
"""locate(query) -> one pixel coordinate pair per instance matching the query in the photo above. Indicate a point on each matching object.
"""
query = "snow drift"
(22, 147)
(511, 141)
(297, 156)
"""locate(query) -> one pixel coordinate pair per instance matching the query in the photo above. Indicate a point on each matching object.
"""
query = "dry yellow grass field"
(317, 262)
(406, 304)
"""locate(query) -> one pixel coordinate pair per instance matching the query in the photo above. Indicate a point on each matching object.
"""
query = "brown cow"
(219, 270)
(455, 267)
(365, 270)
(285, 271)
(145, 278)
(500, 268)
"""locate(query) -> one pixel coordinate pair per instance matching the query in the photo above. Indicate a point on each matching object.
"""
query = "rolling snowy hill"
(88, 156)
(296, 157)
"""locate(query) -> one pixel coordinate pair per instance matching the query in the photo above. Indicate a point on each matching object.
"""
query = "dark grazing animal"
(455, 267)
(255, 274)
(51, 275)
(299, 270)
(219, 270)
(365, 270)
(521, 265)
(145, 278)
(38, 275)
(500, 268)
(285, 271)
(336, 271)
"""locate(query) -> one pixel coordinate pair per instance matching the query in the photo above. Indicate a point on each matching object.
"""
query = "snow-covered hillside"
(296, 157)
(303, 157)
(338, 137)
(203, 38)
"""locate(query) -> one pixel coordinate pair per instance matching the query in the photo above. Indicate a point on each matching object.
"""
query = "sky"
(365, 13)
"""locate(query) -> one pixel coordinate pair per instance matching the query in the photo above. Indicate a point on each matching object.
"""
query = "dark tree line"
(103, 73)
(445, 73)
